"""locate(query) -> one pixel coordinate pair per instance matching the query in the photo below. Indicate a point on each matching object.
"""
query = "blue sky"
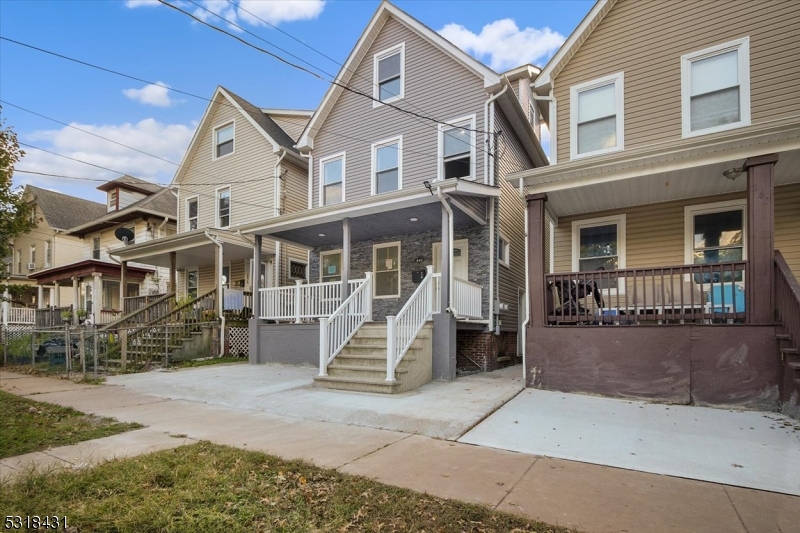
(155, 43)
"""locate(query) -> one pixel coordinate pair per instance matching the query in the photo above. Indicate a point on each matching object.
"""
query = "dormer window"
(389, 75)
(112, 200)
(223, 140)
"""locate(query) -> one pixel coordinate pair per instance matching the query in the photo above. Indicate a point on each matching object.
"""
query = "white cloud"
(133, 4)
(152, 94)
(168, 141)
(504, 43)
(277, 11)
(222, 8)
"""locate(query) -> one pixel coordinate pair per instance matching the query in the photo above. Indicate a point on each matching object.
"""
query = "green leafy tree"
(15, 212)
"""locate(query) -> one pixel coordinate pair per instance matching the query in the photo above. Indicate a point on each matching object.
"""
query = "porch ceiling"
(376, 225)
(695, 182)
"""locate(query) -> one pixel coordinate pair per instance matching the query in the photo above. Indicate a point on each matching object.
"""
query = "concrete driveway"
(743, 448)
(440, 410)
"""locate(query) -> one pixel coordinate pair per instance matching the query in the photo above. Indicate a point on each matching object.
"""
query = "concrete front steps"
(361, 365)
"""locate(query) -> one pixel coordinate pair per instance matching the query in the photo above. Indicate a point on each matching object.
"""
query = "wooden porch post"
(76, 295)
(255, 286)
(40, 297)
(759, 282)
(173, 272)
(345, 258)
(56, 299)
(123, 282)
(536, 271)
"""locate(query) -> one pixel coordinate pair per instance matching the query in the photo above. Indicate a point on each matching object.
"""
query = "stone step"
(377, 360)
(381, 341)
(356, 384)
(361, 372)
(373, 331)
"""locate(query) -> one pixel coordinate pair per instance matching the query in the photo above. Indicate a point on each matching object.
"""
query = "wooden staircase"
(361, 365)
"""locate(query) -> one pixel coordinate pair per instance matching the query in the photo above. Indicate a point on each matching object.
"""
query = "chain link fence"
(93, 351)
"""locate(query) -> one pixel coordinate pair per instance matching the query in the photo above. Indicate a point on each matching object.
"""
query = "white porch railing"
(337, 330)
(21, 315)
(466, 298)
(303, 301)
(403, 328)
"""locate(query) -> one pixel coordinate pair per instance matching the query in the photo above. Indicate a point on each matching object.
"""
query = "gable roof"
(382, 14)
(163, 204)
(62, 211)
(268, 128)
(544, 80)
(134, 184)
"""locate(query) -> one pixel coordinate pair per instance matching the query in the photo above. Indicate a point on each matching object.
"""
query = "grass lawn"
(187, 363)
(211, 488)
(28, 426)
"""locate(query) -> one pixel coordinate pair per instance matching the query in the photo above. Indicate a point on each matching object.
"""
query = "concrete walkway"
(588, 497)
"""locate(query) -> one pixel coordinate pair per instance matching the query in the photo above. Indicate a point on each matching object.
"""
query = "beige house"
(135, 211)
(241, 166)
(406, 171)
(48, 245)
(671, 208)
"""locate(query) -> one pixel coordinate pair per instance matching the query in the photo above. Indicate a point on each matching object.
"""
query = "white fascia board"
(196, 137)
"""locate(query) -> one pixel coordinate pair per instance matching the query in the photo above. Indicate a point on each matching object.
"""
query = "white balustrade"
(336, 330)
(303, 301)
(466, 298)
(403, 328)
(21, 315)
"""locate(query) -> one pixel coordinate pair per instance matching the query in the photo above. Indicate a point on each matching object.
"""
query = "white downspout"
(486, 129)
(450, 217)
(220, 294)
(277, 188)
(552, 125)
(161, 226)
(310, 176)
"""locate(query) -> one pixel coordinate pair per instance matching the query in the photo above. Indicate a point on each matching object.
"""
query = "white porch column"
(345, 258)
(6, 304)
(444, 281)
(40, 297)
(220, 289)
(255, 284)
(55, 299)
(76, 294)
(123, 282)
(97, 294)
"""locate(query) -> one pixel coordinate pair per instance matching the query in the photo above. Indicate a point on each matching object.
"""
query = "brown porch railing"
(787, 298)
(146, 314)
(708, 294)
(134, 303)
(50, 317)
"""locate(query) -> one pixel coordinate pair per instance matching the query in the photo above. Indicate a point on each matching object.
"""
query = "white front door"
(460, 258)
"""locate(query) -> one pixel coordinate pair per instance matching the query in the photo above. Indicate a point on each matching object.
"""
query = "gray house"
(416, 239)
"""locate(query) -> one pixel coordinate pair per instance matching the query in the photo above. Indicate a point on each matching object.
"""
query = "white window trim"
(216, 206)
(618, 80)
(619, 220)
(376, 91)
(375, 248)
(322, 161)
(48, 254)
(743, 47)
(471, 119)
(186, 281)
(214, 140)
(690, 211)
(323, 254)
(503, 258)
(380, 144)
(196, 198)
(289, 266)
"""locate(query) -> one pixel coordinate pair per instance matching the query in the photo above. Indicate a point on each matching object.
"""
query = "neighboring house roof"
(134, 184)
(62, 211)
(161, 204)
(384, 11)
(274, 134)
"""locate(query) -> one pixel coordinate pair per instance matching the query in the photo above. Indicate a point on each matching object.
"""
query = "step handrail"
(336, 330)
(787, 298)
(142, 311)
(403, 328)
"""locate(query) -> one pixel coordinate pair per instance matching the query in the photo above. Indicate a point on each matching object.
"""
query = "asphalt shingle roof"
(265, 122)
(63, 211)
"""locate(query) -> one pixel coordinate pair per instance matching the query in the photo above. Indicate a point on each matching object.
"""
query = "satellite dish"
(124, 234)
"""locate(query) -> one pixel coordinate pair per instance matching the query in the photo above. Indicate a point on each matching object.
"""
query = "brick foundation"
(484, 349)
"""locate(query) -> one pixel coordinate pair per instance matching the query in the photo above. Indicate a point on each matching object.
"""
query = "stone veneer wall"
(413, 246)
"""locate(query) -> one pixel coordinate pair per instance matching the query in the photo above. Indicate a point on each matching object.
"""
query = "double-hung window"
(95, 247)
(224, 207)
(223, 140)
(191, 213)
(389, 75)
(330, 265)
(48, 254)
(331, 171)
(192, 283)
(599, 244)
(387, 166)
(597, 109)
(457, 148)
(715, 233)
(386, 270)
(716, 88)
(32, 257)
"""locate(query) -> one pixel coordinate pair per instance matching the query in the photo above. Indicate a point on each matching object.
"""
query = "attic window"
(223, 140)
(389, 67)
(112, 199)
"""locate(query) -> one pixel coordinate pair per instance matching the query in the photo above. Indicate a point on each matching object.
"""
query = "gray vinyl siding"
(249, 170)
(646, 41)
(293, 125)
(294, 194)
(475, 204)
(513, 158)
(435, 85)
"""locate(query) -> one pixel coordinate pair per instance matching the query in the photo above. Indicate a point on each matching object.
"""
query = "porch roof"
(193, 248)
(87, 268)
(375, 217)
(686, 168)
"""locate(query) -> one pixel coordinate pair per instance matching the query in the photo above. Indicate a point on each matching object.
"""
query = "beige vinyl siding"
(65, 249)
(512, 220)
(293, 125)
(787, 225)
(249, 170)
(294, 193)
(292, 253)
(127, 198)
(435, 85)
(645, 40)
